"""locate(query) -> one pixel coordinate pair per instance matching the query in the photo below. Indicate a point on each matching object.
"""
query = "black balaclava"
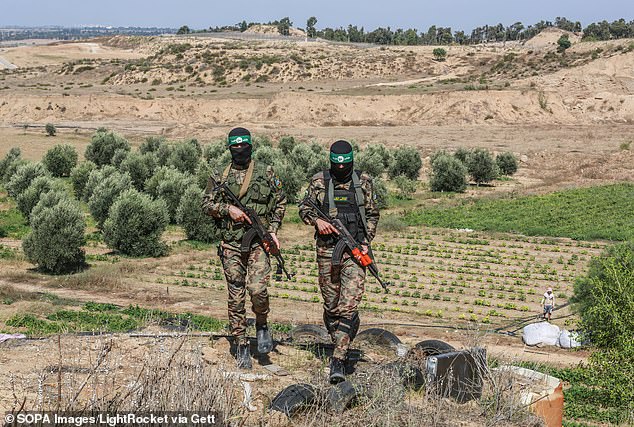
(341, 154)
(240, 156)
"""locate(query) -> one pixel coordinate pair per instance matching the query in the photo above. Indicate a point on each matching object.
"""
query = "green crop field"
(605, 212)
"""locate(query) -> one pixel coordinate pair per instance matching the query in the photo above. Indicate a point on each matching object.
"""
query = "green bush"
(380, 189)
(94, 178)
(286, 144)
(60, 160)
(310, 159)
(169, 184)
(506, 163)
(407, 161)
(183, 156)
(440, 54)
(104, 195)
(448, 174)
(140, 167)
(462, 154)
(30, 197)
(481, 166)
(135, 225)
(604, 298)
(563, 43)
(214, 150)
(23, 177)
(11, 157)
(50, 129)
(406, 187)
(103, 146)
(392, 223)
(203, 173)
(191, 217)
(151, 144)
(375, 160)
(291, 177)
(268, 155)
(57, 234)
(118, 157)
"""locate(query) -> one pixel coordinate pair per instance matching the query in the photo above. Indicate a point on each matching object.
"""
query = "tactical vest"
(256, 193)
(346, 205)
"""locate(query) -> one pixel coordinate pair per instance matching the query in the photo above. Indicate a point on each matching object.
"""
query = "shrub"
(194, 143)
(374, 160)
(563, 43)
(103, 146)
(380, 189)
(214, 150)
(23, 177)
(286, 144)
(406, 187)
(60, 160)
(13, 155)
(267, 155)
(135, 225)
(407, 161)
(94, 178)
(191, 217)
(169, 184)
(104, 195)
(12, 168)
(27, 200)
(506, 163)
(50, 129)
(140, 167)
(440, 54)
(183, 156)
(57, 234)
(481, 166)
(203, 173)
(151, 144)
(291, 177)
(604, 298)
(308, 159)
(448, 174)
(118, 157)
(462, 154)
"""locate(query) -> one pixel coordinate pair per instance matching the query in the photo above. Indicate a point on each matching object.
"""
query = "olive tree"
(103, 146)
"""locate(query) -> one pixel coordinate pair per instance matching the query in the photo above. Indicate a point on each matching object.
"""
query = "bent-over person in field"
(257, 187)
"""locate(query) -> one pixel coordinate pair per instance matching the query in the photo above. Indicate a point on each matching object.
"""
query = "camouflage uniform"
(250, 271)
(342, 298)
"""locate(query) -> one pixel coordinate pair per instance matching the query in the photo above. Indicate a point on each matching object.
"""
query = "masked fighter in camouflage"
(348, 195)
(258, 187)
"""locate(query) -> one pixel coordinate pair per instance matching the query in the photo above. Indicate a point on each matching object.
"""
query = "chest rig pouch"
(255, 193)
(347, 205)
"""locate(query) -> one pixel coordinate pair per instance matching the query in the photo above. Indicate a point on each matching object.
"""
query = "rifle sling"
(247, 179)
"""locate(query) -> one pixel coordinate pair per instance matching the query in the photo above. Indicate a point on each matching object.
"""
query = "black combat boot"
(243, 356)
(337, 371)
(265, 342)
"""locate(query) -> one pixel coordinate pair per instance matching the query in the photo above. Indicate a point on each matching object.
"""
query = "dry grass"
(102, 278)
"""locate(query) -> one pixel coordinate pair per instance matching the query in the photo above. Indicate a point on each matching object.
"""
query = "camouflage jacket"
(264, 195)
(317, 191)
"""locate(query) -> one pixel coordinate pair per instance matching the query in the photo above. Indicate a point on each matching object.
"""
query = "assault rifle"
(347, 242)
(256, 230)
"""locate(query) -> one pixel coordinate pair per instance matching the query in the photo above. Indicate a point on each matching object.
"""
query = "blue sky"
(457, 14)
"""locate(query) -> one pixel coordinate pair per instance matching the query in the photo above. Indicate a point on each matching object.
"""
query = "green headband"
(341, 158)
(239, 139)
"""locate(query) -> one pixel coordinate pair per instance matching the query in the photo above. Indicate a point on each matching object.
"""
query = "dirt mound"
(272, 30)
(548, 37)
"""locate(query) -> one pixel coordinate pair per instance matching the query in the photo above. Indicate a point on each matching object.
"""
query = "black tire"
(433, 347)
(378, 336)
(344, 395)
(293, 398)
(411, 375)
(310, 334)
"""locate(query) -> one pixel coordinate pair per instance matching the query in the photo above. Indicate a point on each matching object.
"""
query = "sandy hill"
(272, 30)
(548, 37)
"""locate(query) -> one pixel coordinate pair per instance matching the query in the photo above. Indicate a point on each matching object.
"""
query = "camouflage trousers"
(251, 272)
(341, 299)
